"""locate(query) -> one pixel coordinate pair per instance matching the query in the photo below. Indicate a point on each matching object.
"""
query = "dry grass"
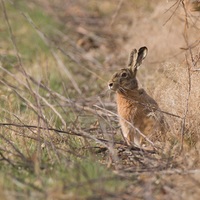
(174, 98)
(59, 135)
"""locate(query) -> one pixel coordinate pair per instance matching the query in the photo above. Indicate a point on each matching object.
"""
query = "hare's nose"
(110, 85)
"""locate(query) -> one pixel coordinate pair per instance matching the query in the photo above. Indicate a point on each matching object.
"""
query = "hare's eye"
(124, 74)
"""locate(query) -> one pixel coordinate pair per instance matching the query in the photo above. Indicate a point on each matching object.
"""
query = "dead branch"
(13, 146)
(6, 159)
(176, 5)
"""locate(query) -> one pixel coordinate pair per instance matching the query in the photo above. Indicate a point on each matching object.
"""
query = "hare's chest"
(126, 110)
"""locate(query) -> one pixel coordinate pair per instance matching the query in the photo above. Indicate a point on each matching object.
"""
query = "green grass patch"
(29, 43)
(82, 178)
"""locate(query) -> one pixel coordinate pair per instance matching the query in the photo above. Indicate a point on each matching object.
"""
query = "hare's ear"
(132, 59)
(142, 53)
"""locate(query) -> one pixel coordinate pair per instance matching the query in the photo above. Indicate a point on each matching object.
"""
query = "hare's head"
(125, 79)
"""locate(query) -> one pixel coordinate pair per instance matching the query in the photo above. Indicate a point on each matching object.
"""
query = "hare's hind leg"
(133, 138)
(137, 139)
(130, 135)
(130, 138)
(126, 132)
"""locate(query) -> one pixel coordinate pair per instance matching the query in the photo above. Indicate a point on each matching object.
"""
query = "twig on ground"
(14, 147)
(6, 159)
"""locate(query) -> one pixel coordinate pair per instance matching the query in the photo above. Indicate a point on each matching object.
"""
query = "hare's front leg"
(130, 134)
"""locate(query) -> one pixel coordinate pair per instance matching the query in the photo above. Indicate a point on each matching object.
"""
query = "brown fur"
(138, 112)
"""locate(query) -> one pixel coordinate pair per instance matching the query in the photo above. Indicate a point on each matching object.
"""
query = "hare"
(139, 114)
